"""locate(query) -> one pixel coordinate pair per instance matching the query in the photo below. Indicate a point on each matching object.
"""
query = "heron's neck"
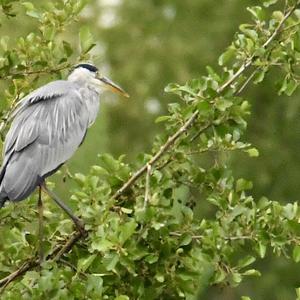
(82, 84)
(83, 79)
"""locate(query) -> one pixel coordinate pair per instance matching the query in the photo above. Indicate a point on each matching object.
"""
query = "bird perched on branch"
(48, 126)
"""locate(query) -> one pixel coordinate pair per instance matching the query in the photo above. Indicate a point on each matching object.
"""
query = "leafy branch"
(172, 139)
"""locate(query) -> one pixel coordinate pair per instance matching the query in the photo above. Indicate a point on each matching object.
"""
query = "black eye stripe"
(88, 67)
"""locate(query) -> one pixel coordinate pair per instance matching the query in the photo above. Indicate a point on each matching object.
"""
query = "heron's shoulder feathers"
(51, 90)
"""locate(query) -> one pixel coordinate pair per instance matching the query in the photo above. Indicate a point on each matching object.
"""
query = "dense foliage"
(148, 236)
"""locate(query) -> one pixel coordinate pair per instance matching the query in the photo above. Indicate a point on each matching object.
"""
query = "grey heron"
(48, 126)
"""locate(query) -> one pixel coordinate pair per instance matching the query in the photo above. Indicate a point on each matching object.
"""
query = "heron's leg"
(78, 223)
(41, 233)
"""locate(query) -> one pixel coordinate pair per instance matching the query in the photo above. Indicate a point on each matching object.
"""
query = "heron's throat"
(85, 79)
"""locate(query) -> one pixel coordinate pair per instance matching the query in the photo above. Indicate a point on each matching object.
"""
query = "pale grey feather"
(48, 127)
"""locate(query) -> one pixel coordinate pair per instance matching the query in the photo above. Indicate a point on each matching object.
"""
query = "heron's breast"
(91, 99)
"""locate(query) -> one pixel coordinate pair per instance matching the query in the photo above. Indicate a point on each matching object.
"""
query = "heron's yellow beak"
(113, 87)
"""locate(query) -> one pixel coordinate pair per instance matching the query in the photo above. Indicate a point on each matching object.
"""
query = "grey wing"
(46, 131)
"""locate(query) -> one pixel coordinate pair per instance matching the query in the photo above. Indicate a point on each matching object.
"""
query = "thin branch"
(200, 132)
(164, 164)
(21, 271)
(240, 71)
(250, 60)
(247, 81)
(147, 185)
(31, 264)
(68, 245)
(171, 140)
(65, 262)
(279, 27)
(33, 72)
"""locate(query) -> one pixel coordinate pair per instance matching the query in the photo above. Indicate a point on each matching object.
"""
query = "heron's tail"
(19, 177)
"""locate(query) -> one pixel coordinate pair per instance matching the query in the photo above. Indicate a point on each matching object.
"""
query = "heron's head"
(86, 73)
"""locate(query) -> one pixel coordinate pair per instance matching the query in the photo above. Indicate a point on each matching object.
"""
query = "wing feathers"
(47, 130)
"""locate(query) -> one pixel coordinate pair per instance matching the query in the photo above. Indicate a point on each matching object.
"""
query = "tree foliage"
(147, 235)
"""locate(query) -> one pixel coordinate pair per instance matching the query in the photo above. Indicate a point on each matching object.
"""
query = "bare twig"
(247, 81)
(147, 185)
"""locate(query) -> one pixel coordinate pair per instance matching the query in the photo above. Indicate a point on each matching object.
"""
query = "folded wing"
(47, 129)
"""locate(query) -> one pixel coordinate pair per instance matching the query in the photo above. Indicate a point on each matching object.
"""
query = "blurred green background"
(144, 45)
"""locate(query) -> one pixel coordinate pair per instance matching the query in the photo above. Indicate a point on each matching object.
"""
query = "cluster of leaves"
(152, 241)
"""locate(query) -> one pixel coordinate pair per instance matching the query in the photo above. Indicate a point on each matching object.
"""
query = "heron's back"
(47, 129)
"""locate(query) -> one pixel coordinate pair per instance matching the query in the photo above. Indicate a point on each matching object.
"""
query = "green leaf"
(68, 49)
(162, 119)
(262, 248)
(243, 184)
(172, 88)
(31, 10)
(236, 277)
(246, 261)
(86, 39)
(84, 263)
(127, 211)
(186, 239)
(4, 43)
(227, 56)
(252, 272)
(204, 108)
(259, 76)
(101, 244)
(110, 261)
(80, 178)
(257, 12)
(296, 253)
(248, 32)
(151, 258)
(128, 230)
(253, 152)
(122, 297)
(159, 277)
(267, 3)
(223, 104)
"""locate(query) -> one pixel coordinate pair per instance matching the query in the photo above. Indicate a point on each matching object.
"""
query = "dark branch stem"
(34, 72)
(21, 271)
(31, 264)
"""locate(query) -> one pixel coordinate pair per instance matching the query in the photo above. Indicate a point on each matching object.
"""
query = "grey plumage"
(47, 128)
